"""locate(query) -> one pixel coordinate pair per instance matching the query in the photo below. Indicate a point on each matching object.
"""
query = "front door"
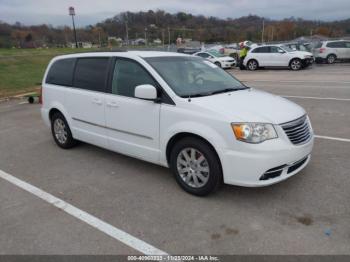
(132, 123)
(278, 57)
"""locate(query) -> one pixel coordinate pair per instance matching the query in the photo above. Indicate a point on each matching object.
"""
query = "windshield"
(215, 53)
(194, 76)
(287, 48)
(306, 48)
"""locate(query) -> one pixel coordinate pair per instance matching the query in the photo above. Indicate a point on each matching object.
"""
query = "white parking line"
(296, 81)
(95, 222)
(318, 98)
(333, 138)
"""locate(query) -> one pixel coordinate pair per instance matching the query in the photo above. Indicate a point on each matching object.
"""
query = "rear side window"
(91, 73)
(336, 44)
(264, 49)
(61, 72)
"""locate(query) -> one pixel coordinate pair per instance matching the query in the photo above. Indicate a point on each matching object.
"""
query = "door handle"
(97, 101)
(112, 104)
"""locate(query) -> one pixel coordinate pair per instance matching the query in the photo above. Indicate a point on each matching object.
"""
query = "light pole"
(168, 38)
(263, 31)
(146, 35)
(72, 14)
(127, 33)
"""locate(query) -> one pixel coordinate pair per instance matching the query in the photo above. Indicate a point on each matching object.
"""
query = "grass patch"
(22, 69)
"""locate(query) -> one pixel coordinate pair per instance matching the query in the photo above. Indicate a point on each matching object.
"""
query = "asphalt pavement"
(307, 214)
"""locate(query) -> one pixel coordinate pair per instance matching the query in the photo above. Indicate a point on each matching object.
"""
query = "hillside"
(160, 24)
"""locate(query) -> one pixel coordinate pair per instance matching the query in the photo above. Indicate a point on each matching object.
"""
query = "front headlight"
(254, 132)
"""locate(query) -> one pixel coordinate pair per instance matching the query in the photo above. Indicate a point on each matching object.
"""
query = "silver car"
(330, 51)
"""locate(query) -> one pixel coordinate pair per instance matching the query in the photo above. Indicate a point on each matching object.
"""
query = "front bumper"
(227, 64)
(247, 165)
(308, 61)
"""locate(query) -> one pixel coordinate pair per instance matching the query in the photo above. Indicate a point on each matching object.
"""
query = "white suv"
(330, 51)
(277, 56)
(178, 111)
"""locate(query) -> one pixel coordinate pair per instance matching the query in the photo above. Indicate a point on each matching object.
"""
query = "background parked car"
(330, 51)
(218, 48)
(217, 58)
(232, 51)
(188, 50)
(299, 47)
(277, 56)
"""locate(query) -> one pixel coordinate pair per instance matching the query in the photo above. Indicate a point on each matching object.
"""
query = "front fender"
(202, 130)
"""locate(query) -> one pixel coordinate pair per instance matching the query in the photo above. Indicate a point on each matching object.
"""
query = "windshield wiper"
(223, 91)
(215, 92)
(226, 90)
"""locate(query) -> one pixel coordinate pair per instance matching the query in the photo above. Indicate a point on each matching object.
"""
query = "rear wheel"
(295, 64)
(196, 166)
(61, 132)
(252, 65)
(331, 59)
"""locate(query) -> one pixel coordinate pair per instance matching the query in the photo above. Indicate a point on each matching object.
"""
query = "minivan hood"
(251, 105)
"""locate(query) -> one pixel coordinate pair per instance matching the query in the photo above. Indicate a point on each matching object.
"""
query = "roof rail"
(103, 50)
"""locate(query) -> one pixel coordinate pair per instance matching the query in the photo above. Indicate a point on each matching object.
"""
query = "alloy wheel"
(252, 65)
(295, 64)
(330, 59)
(193, 167)
(60, 131)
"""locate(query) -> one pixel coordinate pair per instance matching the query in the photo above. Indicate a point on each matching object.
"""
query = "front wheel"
(295, 64)
(218, 64)
(196, 166)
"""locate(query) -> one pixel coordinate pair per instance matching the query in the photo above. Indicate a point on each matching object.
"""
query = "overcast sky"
(55, 12)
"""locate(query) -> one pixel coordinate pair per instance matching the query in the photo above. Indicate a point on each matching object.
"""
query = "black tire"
(295, 64)
(331, 59)
(218, 64)
(69, 141)
(252, 65)
(214, 175)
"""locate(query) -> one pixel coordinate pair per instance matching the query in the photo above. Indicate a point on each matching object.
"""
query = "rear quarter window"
(335, 44)
(264, 49)
(91, 73)
(61, 72)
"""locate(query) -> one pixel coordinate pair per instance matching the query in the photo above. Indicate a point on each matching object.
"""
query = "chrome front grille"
(298, 131)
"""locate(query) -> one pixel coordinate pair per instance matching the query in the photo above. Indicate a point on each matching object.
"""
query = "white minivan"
(178, 111)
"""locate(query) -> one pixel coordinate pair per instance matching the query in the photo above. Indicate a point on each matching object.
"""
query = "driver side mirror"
(281, 51)
(147, 92)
